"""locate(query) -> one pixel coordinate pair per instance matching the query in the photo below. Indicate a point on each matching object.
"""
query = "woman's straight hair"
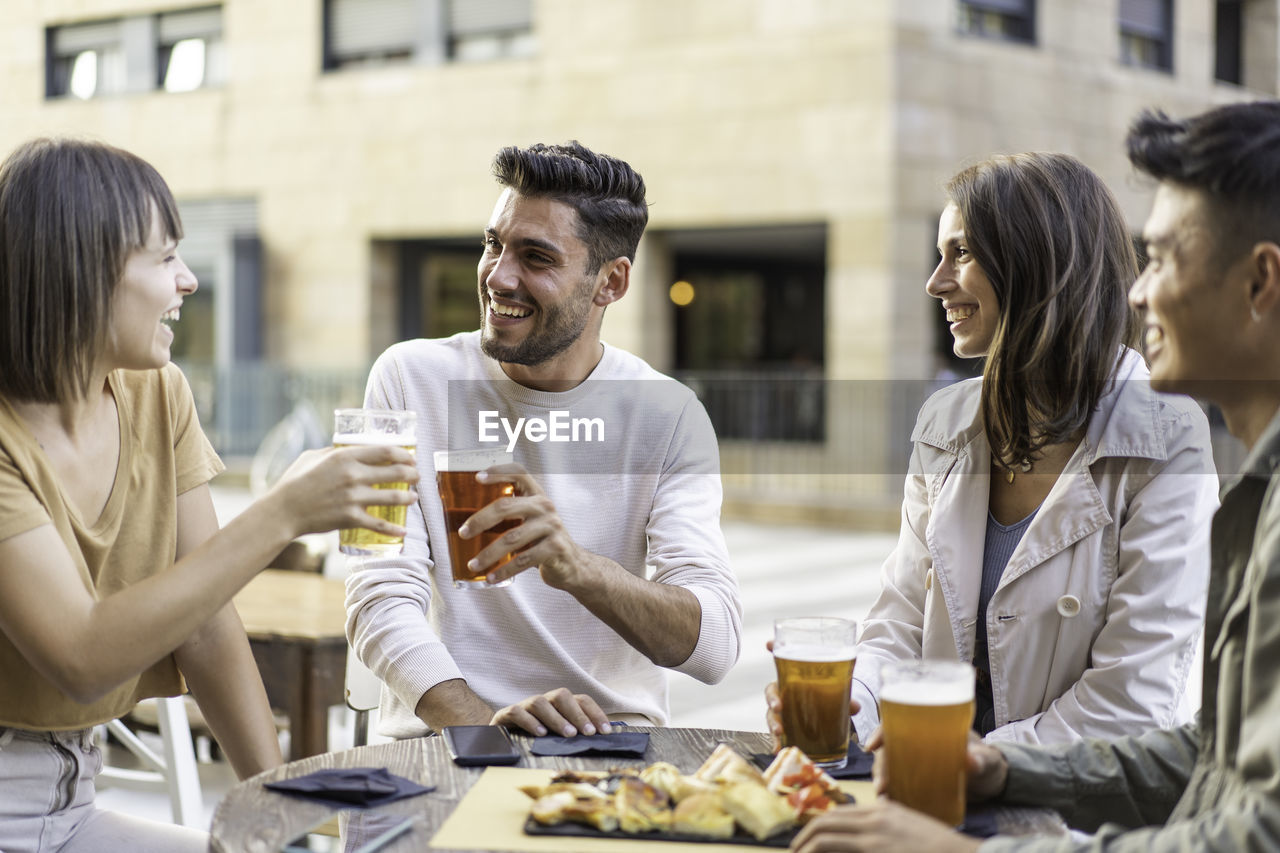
(71, 212)
(1052, 240)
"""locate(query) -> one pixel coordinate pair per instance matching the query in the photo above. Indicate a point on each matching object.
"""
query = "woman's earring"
(1253, 312)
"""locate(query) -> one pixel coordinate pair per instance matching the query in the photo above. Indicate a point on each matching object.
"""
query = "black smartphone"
(480, 746)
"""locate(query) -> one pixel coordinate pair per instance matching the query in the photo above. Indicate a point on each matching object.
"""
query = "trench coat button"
(928, 580)
(1068, 606)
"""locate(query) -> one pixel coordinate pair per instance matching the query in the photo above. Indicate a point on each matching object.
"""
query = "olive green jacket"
(1211, 785)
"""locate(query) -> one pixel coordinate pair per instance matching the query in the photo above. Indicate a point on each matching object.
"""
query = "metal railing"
(240, 404)
(786, 436)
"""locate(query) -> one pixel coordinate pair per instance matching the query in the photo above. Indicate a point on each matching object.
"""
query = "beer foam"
(375, 439)
(471, 460)
(814, 653)
(926, 692)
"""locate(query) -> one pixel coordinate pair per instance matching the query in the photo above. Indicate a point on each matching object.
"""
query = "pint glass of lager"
(379, 427)
(462, 497)
(926, 709)
(814, 656)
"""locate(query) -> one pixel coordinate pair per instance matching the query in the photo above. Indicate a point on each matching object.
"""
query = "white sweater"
(644, 491)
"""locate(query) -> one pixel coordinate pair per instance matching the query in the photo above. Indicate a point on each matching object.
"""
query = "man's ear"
(1264, 287)
(617, 280)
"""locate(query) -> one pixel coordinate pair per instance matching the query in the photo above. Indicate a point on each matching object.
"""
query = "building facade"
(332, 162)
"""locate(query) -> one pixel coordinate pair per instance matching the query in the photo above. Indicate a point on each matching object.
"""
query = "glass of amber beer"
(462, 497)
(926, 709)
(814, 656)
(375, 427)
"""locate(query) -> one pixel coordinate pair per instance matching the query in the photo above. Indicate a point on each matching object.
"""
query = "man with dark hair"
(1210, 301)
(620, 520)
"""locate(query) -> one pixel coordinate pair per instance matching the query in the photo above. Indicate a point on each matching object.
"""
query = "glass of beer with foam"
(814, 656)
(926, 709)
(375, 427)
(462, 497)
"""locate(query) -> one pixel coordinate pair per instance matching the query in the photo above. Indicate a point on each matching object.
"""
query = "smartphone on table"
(480, 746)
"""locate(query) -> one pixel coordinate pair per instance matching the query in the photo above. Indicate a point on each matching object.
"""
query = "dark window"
(175, 51)
(1146, 34)
(436, 287)
(1010, 20)
(750, 327)
(369, 32)
(489, 29)
(1227, 34)
(84, 60)
(378, 32)
(189, 49)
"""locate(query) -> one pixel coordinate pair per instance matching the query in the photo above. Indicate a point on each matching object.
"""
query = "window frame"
(135, 47)
(1130, 30)
(1017, 20)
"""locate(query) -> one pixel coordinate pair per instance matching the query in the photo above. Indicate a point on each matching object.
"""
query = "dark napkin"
(858, 767)
(616, 743)
(979, 822)
(343, 787)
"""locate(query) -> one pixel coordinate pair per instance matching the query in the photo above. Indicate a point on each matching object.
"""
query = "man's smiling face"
(534, 286)
(1190, 326)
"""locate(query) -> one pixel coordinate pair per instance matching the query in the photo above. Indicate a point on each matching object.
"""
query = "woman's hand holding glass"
(331, 487)
(773, 709)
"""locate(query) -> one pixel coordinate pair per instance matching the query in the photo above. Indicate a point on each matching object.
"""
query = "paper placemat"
(491, 817)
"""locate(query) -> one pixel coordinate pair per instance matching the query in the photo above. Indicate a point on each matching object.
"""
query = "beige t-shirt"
(163, 453)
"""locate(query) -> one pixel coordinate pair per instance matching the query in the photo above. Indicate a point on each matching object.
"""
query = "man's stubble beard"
(558, 329)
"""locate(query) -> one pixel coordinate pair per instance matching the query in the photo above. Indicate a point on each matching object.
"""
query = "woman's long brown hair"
(1052, 240)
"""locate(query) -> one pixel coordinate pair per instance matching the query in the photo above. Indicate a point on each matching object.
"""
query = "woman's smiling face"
(973, 311)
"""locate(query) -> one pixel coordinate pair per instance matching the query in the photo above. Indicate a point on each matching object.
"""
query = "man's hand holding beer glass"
(537, 539)
(661, 621)
(886, 825)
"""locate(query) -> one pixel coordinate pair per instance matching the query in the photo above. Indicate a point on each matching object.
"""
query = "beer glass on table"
(462, 497)
(375, 427)
(814, 657)
(926, 710)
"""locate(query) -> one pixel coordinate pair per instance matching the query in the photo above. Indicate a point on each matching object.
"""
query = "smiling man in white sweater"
(619, 519)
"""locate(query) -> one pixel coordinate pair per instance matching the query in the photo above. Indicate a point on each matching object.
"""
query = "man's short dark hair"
(71, 212)
(606, 192)
(1231, 154)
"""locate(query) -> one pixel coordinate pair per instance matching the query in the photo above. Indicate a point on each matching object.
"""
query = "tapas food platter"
(726, 800)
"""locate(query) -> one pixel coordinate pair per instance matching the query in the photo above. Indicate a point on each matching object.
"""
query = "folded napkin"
(979, 822)
(343, 787)
(616, 743)
(858, 766)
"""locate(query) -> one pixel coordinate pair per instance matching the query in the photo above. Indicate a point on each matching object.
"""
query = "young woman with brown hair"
(115, 581)
(1055, 519)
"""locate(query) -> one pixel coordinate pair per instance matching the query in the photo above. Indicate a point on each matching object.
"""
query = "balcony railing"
(786, 437)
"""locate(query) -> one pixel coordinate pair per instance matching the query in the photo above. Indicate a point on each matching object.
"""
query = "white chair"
(363, 689)
(173, 773)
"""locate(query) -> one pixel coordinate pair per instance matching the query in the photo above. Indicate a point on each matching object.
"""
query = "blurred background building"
(331, 159)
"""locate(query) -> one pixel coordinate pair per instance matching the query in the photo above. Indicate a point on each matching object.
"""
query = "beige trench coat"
(1092, 629)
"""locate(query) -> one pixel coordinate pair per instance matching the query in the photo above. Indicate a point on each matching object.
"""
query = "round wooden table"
(253, 819)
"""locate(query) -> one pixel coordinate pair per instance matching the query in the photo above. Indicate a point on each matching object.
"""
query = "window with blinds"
(1008, 20)
(189, 49)
(85, 60)
(1146, 34)
(489, 29)
(175, 51)
(376, 32)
